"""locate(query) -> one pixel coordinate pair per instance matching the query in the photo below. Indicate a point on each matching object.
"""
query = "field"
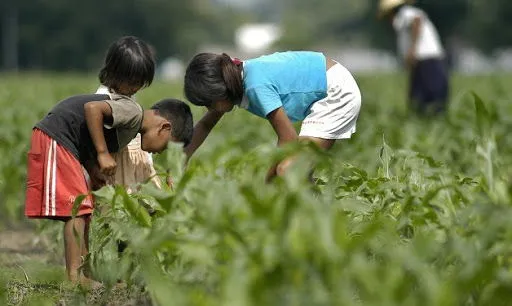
(409, 211)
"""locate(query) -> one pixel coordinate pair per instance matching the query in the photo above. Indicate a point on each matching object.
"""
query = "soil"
(21, 248)
(18, 246)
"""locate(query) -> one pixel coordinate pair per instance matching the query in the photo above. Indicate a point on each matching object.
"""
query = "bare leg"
(325, 144)
(280, 168)
(85, 246)
(74, 240)
(76, 243)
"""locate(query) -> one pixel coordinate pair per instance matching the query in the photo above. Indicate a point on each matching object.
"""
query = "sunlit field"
(410, 211)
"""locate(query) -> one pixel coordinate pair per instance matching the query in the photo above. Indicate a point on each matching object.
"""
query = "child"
(125, 58)
(83, 131)
(420, 46)
(281, 87)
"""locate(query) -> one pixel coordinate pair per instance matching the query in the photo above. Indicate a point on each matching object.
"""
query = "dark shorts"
(429, 86)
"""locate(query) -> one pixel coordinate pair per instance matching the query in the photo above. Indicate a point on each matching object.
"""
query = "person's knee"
(325, 144)
(283, 166)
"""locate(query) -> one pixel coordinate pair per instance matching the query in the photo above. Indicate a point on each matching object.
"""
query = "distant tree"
(308, 24)
(490, 24)
(447, 16)
(8, 35)
(72, 34)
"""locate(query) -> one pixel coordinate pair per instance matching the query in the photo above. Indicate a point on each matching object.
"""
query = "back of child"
(283, 87)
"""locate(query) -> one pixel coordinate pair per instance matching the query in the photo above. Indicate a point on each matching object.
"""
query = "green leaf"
(136, 211)
(77, 203)
(385, 158)
(105, 193)
(482, 116)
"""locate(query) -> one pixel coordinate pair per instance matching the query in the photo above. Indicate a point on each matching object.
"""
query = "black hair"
(213, 77)
(179, 115)
(397, 8)
(129, 60)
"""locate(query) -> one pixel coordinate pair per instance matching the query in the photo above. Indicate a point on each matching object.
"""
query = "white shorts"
(335, 116)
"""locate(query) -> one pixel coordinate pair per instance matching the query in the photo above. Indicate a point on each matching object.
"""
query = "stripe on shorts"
(54, 176)
(51, 178)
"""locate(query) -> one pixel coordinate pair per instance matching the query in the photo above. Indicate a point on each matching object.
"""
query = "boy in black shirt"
(82, 131)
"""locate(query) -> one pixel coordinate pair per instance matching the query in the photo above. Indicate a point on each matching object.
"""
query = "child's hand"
(283, 166)
(279, 169)
(107, 164)
(97, 179)
(97, 182)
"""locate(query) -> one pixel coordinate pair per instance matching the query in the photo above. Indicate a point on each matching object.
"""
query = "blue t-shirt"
(293, 80)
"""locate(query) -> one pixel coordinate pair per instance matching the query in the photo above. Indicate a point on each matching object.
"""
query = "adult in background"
(423, 55)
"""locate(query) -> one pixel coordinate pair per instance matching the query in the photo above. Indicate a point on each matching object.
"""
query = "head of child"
(167, 120)
(129, 66)
(214, 81)
(389, 8)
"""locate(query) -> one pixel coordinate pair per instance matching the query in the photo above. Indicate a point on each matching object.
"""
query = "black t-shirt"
(66, 124)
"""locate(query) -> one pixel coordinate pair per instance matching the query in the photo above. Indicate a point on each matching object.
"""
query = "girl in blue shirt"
(283, 87)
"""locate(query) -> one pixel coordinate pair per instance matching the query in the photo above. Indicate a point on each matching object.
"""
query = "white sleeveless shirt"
(428, 44)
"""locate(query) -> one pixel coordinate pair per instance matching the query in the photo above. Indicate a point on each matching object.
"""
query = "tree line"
(73, 35)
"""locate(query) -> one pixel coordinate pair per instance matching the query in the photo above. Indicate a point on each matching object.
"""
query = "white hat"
(385, 6)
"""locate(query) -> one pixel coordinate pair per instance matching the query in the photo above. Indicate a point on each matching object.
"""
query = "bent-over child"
(84, 130)
(283, 87)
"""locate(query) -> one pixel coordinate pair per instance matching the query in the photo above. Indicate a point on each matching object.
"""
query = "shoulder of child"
(125, 111)
(405, 16)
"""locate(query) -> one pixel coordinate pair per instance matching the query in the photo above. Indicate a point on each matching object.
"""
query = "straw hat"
(385, 6)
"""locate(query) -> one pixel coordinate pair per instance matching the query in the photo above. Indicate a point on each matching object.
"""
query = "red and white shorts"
(54, 180)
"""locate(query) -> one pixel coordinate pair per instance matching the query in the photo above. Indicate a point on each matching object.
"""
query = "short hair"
(213, 77)
(128, 60)
(179, 115)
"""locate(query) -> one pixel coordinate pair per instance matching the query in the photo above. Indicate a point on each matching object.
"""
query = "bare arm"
(285, 133)
(95, 115)
(201, 131)
(415, 33)
(95, 112)
(282, 126)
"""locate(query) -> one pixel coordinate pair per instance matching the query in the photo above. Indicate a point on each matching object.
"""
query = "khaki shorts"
(335, 116)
